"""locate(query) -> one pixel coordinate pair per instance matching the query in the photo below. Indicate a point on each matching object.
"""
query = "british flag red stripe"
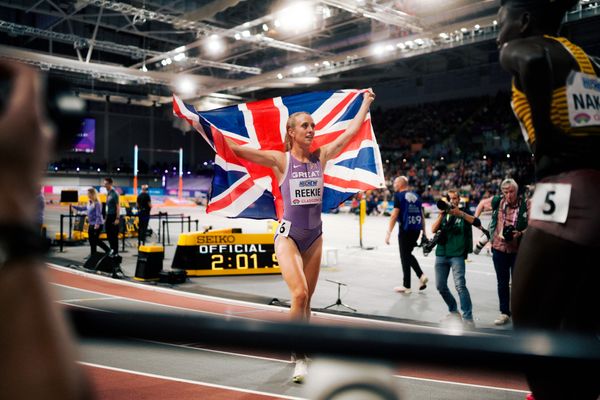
(243, 189)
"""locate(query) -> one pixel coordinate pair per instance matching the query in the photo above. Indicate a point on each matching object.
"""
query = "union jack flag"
(242, 189)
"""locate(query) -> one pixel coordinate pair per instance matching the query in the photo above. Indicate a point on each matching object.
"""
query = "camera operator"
(38, 355)
(454, 244)
(509, 221)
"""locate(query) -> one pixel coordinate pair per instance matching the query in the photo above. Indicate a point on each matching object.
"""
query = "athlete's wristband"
(20, 242)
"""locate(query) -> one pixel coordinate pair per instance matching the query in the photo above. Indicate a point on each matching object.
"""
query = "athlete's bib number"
(550, 202)
(306, 191)
(583, 99)
(284, 228)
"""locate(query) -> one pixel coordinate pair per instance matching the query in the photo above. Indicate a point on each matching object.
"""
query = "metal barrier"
(517, 352)
(164, 219)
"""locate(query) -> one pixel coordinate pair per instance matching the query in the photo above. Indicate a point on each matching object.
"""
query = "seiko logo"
(213, 239)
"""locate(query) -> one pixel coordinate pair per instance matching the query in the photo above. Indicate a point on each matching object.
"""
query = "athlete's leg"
(541, 300)
(311, 259)
(292, 270)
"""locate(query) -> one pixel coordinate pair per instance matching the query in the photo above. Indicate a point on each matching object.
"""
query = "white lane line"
(80, 306)
(198, 347)
(462, 384)
(198, 383)
(88, 299)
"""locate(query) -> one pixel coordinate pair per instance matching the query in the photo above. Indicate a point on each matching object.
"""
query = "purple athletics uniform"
(302, 193)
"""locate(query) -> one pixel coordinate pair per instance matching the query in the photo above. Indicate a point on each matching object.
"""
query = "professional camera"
(443, 206)
(509, 232)
(481, 243)
(428, 245)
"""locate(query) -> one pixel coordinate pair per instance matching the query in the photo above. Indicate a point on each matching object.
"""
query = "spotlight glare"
(246, 33)
(215, 45)
(185, 85)
(299, 16)
(299, 69)
(378, 50)
(279, 76)
(265, 27)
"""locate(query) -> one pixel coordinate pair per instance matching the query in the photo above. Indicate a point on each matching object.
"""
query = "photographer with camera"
(408, 211)
(38, 352)
(454, 242)
(509, 221)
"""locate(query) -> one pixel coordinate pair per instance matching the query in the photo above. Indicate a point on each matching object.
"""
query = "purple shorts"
(304, 238)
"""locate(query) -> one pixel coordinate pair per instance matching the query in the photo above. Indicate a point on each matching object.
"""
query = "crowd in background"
(470, 144)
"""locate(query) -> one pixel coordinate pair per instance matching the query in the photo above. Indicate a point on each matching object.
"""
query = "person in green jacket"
(451, 252)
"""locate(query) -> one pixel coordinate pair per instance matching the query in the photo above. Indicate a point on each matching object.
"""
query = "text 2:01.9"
(242, 261)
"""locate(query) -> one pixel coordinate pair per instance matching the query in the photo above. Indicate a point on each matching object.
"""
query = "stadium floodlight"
(299, 69)
(378, 50)
(185, 86)
(298, 17)
(215, 45)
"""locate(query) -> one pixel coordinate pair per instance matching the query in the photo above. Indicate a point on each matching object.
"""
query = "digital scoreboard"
(223, 253)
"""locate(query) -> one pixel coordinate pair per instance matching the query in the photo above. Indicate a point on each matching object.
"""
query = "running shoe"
(300, 371)
(423, 279)
(402, 289)
(503, 319)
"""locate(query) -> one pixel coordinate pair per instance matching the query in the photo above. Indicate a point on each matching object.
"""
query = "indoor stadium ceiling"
(222, 51)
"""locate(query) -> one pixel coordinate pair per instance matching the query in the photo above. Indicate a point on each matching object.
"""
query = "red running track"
(119, 384)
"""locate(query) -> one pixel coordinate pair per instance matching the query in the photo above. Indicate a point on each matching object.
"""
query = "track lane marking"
(198, 383)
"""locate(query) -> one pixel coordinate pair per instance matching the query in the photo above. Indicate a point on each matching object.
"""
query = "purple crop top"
(302, 192)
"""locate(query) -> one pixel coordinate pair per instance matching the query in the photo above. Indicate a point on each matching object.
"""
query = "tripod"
(338, 302)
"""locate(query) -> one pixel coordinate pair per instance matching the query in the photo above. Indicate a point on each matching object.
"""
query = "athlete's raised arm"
(331, 150)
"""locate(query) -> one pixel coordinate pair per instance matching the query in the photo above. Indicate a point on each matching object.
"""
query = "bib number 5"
(284, 228)
(550, 202)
